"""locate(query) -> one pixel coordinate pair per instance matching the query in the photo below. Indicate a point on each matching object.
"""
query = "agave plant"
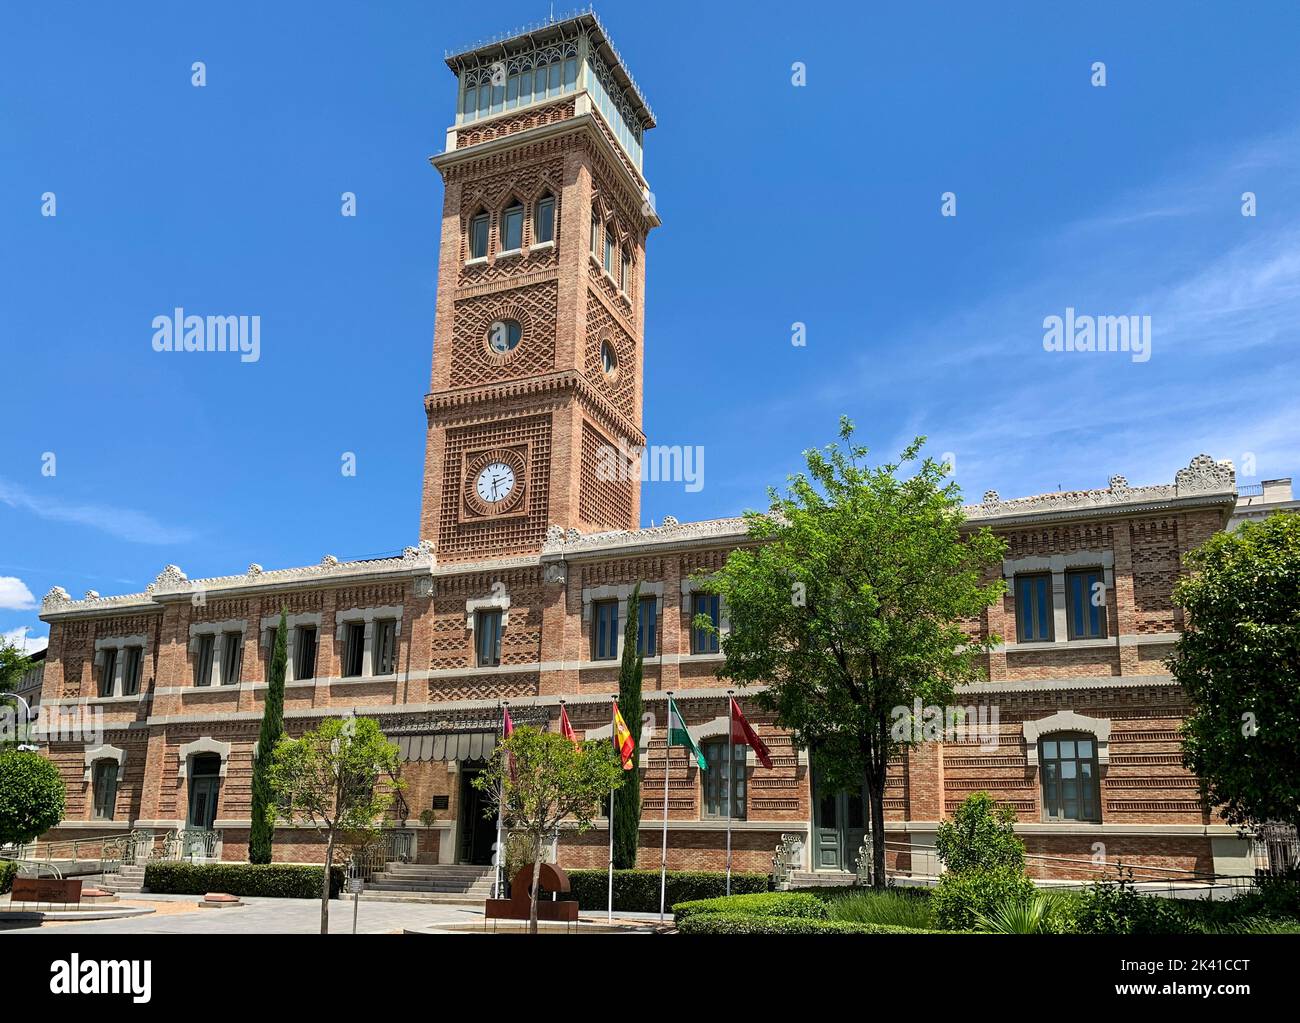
(1017, 916)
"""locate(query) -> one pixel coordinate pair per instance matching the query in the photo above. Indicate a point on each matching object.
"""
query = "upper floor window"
(203, 660)
(487, 638)
(108, 672)
(609, 251)
(544, 220)
(1034, 608)
(1071, 788)
(595, 233)
(1085, 593)
(232, 657)
(512, 228)
(724, 778)
(538, 76)
(385, 648)
(702, 640)
(304, 652)
(604, 630)
(624, 272)
(354, 649)
(131, 670)
(105, 789)
(647, 627)
(478, 236)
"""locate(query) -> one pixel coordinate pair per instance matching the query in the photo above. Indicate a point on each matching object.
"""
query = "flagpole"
(613, 735)
(731, 767)
(501, 806)
(663, 858)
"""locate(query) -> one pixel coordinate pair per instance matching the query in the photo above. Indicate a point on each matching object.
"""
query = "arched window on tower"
(595, 232)
(512, 228)
(609, 249)
(544, 219)
(478, 235)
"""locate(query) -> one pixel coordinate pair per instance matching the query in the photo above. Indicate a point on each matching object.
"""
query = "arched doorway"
(205, 788)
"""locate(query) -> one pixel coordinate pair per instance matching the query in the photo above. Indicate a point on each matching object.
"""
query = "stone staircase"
(821, 878)
(129, 879)
(446, 883)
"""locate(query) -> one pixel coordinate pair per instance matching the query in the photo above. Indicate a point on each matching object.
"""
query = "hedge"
(271, 880)
(8, 871)
(735, 923)
(784, 904)
(638, 890)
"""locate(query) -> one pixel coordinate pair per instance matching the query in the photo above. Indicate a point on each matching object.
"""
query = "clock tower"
(534, 410)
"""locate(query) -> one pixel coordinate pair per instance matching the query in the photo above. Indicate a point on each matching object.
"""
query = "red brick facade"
(566, 538)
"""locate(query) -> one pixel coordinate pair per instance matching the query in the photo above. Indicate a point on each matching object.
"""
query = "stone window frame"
(120, 644)
(498, 600)
(622, 592)
(219, 631)
(367, 616)
(1057, 565)
(1066, 721)
(95, 754)
(292, 623)
(203, 744)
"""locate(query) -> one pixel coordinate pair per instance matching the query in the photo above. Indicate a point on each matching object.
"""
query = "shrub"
(1017, 916)
(959, 898)
(8, 871)
(638, 890)
(783, 904)
(32, 796)
(730, 923)
(900, 907)
(270, 880)
(980, 836)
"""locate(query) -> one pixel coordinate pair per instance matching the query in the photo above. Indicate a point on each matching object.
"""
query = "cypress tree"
(627, 801)
(261, 835)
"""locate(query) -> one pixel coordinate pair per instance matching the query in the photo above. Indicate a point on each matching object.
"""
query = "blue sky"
(818, 205)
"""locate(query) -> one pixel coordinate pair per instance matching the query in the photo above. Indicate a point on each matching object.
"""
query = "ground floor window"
(1071, 788)
(105, 789)
(724, 775)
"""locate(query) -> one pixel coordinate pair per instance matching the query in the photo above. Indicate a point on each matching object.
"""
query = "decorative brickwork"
(602, 502)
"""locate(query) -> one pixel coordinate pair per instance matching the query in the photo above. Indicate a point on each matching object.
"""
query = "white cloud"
(14, 594)
(123, 523)
(20, 638)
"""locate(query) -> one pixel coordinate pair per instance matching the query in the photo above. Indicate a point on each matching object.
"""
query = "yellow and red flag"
(623, 744)
(566, 729)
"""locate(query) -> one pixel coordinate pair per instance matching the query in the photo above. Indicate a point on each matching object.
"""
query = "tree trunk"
(876, 809)
(325, 886)
(532, 903)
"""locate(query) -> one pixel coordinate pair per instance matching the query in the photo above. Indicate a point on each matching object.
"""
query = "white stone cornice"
(571, 543)
(1066, 721)
(205, 744)
(97, 753)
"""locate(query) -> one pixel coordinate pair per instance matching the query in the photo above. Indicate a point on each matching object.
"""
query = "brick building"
(519, 584)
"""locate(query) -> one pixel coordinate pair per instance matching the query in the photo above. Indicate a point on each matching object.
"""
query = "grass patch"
(895, 907)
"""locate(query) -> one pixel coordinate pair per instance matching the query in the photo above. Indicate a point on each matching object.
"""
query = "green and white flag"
(679, 736)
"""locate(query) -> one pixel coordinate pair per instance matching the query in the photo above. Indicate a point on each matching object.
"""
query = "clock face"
(495, 483)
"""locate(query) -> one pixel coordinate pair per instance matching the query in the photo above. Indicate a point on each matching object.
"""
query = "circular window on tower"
(503, 336)
(608, 359)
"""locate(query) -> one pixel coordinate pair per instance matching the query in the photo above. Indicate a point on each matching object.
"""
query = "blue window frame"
(604, 630)
(1034, 608)
(1086, 592)
(647, 627)
(703, 641)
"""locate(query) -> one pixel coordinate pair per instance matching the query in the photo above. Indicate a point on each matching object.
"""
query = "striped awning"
(447, 746)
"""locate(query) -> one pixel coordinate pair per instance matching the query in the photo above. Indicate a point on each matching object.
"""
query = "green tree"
(32, 796)
(980, 836)
(13, 663)
(541, 779)
(627, 807)
(1239, 664)
(852, 601)
(261, 835)
(342, 778)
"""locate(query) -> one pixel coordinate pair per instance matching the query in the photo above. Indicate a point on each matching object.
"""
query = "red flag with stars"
(566, 729)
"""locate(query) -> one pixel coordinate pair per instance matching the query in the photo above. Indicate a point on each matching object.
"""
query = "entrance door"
(478, 827)
(205, 788)
(839, 825)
